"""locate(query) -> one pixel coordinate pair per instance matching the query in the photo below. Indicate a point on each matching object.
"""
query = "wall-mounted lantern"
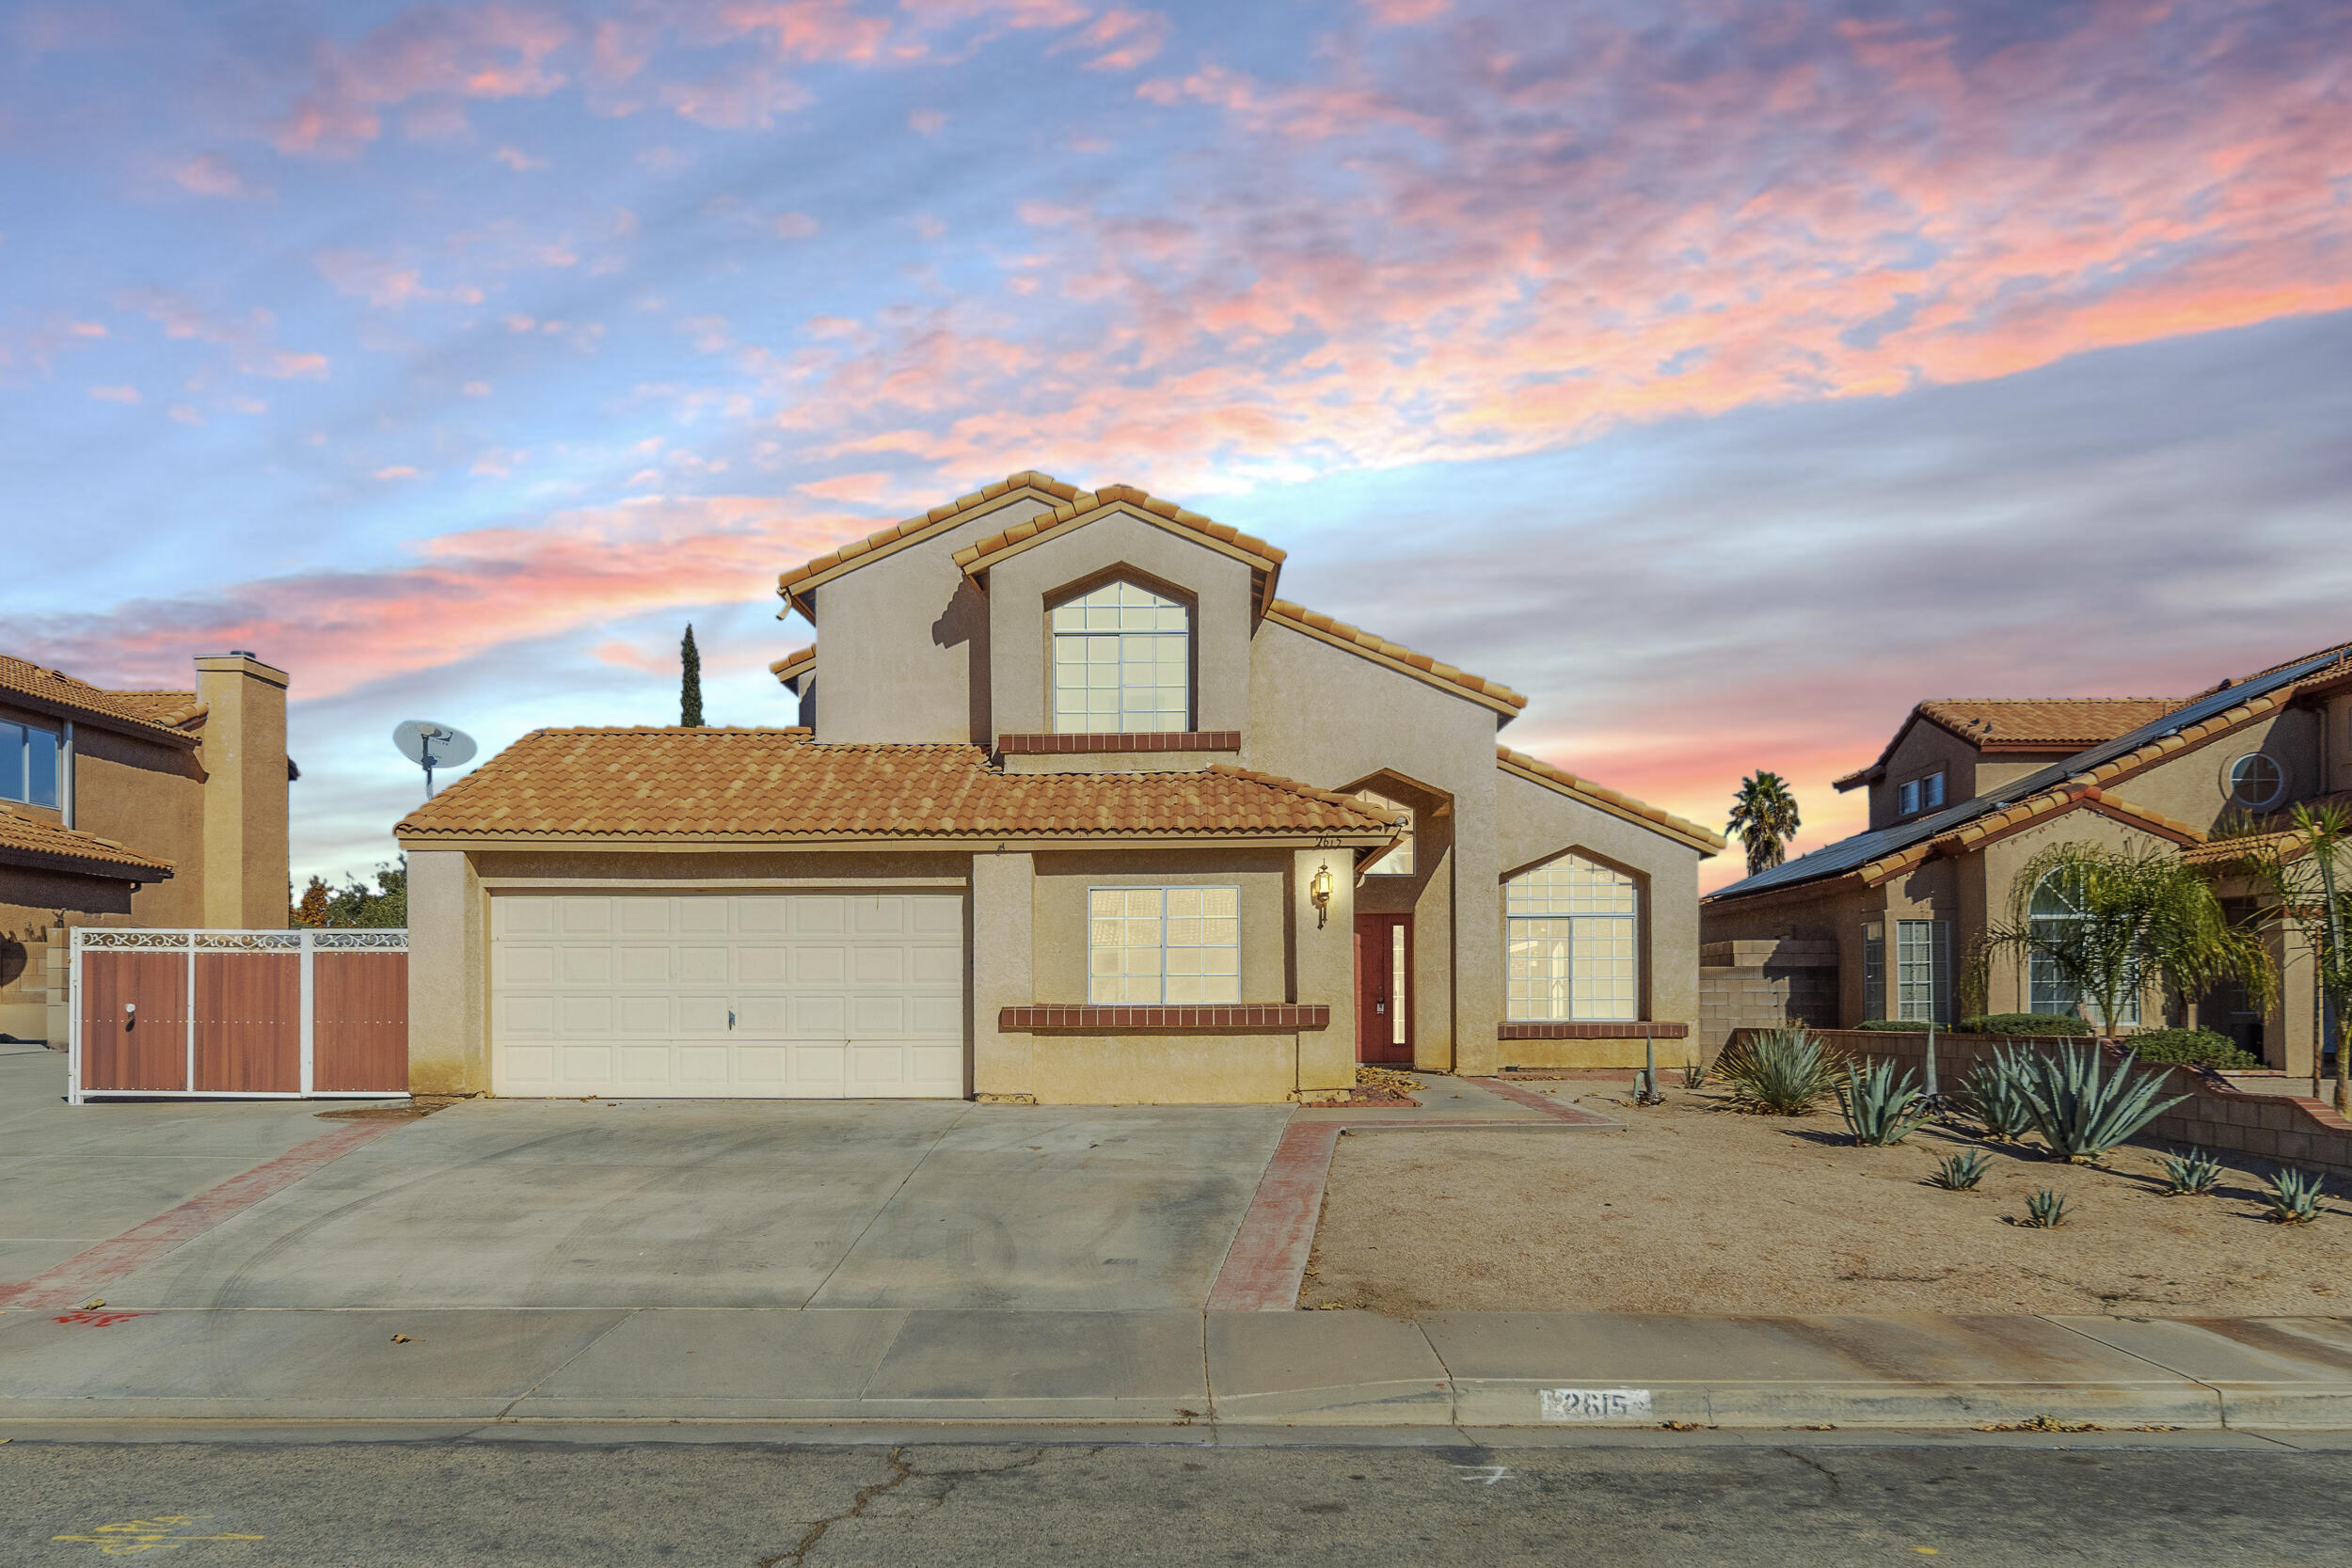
(1319, 891)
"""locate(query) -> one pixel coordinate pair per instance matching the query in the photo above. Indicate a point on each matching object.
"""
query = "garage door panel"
(832, 995)
(878, 966)
(817, 915)
(585, 965)
(644, 917)
(763, 965)
(579, 917)
(647, 965)
(937, 1016)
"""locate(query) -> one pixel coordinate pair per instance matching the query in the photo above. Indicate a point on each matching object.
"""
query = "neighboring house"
(1081, 812)
(1968, 791)
(134, 808)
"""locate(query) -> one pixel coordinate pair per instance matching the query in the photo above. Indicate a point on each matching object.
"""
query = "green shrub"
(2025, 1023)
(1879, 1108)
(1996, 1092)
(2191, 1174)
(2082, 1110)
(1960, 1173)
(2195, 1047)
(1895, 1025)
(1782, 1071)
(2045, 1209)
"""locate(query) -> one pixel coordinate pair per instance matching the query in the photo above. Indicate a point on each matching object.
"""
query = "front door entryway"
(1384, 968)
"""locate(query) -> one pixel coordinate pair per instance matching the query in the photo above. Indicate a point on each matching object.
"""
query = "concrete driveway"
(74, 1175)
(682, 1203)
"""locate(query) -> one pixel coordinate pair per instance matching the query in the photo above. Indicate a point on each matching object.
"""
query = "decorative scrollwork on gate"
(350, 941)
(87, 937)
(246, 941)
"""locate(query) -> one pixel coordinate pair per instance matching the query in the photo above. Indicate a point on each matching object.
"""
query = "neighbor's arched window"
(1122, 662)
(1571, 946)
(2048, 990)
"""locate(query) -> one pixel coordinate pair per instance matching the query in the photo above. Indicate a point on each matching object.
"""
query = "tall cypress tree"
(690, 700)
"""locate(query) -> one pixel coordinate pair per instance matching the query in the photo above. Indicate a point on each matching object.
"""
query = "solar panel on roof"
(1847, 853)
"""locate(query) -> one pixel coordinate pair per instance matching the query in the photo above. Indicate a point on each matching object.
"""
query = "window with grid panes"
(1122, 663)
(1570, 942)
(1177, 947)
(1922, 970)
(2048, 990)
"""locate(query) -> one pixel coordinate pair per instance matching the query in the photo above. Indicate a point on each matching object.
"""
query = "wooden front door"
(1384, 968)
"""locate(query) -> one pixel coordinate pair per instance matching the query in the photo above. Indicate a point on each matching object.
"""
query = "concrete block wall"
(1762, 985)
(2288, 1129)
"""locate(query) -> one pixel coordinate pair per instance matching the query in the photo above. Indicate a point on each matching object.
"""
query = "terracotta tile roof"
(1610, 800)
(2072, 796)
(771, 785)
(2044, 724)
(23, 836)
(1494, 694)
(795, 664)
(1084, 507)
(2341, 666)
(797, 584)
(160, 713)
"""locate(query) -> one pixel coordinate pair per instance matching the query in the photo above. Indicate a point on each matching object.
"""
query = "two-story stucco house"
(1969, 790)
(1079, 810)
(133, 808)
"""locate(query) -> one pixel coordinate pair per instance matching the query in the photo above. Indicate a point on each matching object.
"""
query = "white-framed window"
(1915, 796)
(2046, 990)
(1177, 947)
(1122, 662)
(1399, 861)
(1923, 964)
(28, 764)
(2256, 780)
(1571, 946)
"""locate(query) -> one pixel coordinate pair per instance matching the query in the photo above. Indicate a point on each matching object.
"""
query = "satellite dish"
(430, 745)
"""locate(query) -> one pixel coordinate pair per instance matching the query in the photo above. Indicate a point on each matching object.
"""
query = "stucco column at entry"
(1004, 969)
(449, 983)
(1326, 967)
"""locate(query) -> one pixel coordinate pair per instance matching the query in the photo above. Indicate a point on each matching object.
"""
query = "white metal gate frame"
(308, 941)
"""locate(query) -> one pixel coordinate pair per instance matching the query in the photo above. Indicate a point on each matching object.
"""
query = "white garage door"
(795, 995)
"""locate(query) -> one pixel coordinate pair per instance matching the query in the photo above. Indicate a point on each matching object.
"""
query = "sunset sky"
(1727, 376)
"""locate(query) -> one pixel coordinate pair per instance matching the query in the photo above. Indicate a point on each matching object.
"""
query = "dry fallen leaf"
(400, 1338)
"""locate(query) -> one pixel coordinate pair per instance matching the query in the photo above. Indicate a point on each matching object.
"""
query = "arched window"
(2256, 780)
(1122, 662)
(1571, 945)
(2048, 991)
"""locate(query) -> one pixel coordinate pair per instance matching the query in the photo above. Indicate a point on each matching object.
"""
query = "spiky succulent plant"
(2190, 1174)
(2295, 1196)
(1960, 1173)
(1996, 1092)
(2045, 1209)
(2081, 1111)
(1783, 1072)
(1879, 1108)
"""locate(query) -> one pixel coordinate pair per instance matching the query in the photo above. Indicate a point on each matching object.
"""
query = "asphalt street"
(259, 1505)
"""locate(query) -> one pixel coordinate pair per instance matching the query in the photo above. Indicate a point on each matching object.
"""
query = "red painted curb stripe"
(1543, 1102)
(94, 1267)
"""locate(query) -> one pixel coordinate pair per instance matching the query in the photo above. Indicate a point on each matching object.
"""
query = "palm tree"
(2134, 918)
(2299, 869)
(1763, 818)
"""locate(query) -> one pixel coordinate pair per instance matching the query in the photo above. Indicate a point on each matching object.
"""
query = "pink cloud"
(209, 174)
(1126, 39)
(463, 595)
(495, 51)
(383, 282)
(115, 394)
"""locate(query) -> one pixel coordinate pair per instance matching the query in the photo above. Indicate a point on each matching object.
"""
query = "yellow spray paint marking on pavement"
(162, 1533)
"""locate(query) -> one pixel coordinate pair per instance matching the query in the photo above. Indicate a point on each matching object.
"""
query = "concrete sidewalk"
(1171, 1369)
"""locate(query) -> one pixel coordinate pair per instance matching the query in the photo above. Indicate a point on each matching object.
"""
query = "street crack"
(900, 1473)
(1835, 1485)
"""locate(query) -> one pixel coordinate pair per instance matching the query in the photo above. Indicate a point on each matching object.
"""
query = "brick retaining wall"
(2290, 1129)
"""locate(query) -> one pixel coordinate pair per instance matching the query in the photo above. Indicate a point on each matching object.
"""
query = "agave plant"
(1996, 1092)
(1879, 1108)
(2190, 1174)
(2045, 1209)
(1783, 1072)
(1960, 1173)
(2082, 1112)
(2295, 1196)
(1695, 1074)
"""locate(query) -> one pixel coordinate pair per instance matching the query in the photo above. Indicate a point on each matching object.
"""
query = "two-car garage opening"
(774, 995)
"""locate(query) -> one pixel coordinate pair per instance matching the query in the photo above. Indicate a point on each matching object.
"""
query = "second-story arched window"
(1122, 662)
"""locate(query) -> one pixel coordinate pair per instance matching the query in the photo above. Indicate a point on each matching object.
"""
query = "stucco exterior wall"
(1021, 588)
(448, 975)
(245, 830)
(1058, 914)
(906, 640)
(1926, 748)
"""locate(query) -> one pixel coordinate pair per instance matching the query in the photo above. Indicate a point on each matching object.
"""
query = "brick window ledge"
(1629, 1029)
(1153, 740)
(1261, 1017)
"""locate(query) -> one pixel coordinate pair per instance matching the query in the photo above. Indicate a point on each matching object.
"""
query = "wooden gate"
(239, 1014)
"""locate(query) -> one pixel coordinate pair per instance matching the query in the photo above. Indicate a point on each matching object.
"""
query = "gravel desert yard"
(1695, 1208)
